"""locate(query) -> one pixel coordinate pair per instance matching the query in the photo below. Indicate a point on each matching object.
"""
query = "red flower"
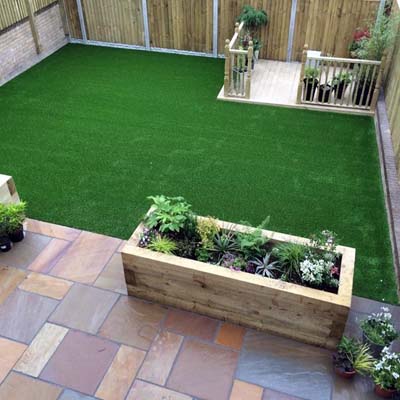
(360, 34)
(334, 270)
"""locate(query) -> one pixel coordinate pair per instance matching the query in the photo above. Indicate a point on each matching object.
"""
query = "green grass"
(90, 132)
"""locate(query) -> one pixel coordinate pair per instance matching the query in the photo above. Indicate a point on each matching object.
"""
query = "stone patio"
(68, 331)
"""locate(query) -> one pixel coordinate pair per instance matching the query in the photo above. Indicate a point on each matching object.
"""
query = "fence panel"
(71, 12)
(329, 25)
(392, 96)
(13, 11)
(274, 37)
(181, 24)
(114, 21)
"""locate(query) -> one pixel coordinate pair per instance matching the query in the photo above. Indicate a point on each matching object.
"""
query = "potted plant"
(352, 357)
(363, 90)
(324, 92)
(359, 35)
(386, 374)
(15, 216)
(340, 83)
(5, 242)
(378, 331)
(310, 82)
(253, 20)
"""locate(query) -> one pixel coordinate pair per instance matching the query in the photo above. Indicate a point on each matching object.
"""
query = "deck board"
(275, 83)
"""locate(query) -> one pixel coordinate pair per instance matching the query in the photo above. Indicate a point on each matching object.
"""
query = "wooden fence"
(191, 25)
(392, 95)
(13, 11)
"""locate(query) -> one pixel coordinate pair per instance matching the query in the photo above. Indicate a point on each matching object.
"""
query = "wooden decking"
(275, 83)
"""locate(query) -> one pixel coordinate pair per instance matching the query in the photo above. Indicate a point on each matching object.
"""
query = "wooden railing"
(340, 82)
(238, 66)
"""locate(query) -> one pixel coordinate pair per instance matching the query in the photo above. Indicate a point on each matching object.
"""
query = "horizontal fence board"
(13, 11)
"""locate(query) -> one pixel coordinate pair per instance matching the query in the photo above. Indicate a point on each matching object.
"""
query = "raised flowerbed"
(288, 309)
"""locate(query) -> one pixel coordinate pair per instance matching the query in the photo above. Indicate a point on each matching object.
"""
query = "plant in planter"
(15, 216)
(340, 83)
(253, 19)
(359, 35)
(379, 331)
(211, 265)
(386, 374)
(5, 242)
(383, 33)
(163, 245)
(265, 267)
(352, 357)
(310, 83)
(290, 255)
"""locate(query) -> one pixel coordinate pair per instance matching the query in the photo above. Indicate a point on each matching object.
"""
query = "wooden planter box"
(286, 309)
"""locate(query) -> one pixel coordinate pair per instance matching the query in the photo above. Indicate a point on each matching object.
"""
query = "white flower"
(395, 375)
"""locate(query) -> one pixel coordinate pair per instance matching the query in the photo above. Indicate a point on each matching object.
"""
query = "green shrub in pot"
(15, 216)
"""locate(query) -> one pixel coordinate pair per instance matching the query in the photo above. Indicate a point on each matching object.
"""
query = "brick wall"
(17, 48)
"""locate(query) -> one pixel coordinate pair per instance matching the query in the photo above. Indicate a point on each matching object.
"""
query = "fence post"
(146, 29)
(249, 67)
(227, 69)
(303, 66)
(379, 81)
(64, 18)
(81, 20)
(237, 27)
(32, 23)
(215, 29)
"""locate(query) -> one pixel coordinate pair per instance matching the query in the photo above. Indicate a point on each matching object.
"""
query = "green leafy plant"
(169, 214)
(383, 33)
(163, 245)
(363, 361)
(343, 77)
(379, 328)
(353, 356)
(265, 267)
(3, 220)
(15, 216)
(311, 73)
(386, 371)
(251, 243)
(290, 255)
(224, 243)
(253, 18)
(207, 228)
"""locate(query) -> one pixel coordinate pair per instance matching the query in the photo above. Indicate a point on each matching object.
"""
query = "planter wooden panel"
(305, 314)
(8, 191)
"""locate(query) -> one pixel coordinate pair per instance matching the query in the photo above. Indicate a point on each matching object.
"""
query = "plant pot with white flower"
(386, 374)
(379, 331)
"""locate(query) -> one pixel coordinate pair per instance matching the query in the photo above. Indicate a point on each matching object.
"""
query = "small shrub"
(207, 228)
(265, 267)
(169, 214)
(252, 243)
(224, 243)
(290, 255)
(163, 245)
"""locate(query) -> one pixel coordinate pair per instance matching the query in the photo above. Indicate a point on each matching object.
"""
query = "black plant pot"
(5, 243)
(310, 86)
(360, 98)
(340, 89)
(375, 349)
(18, 235)
(324, 93)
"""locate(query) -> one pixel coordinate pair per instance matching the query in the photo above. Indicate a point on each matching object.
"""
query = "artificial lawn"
(90, 132)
